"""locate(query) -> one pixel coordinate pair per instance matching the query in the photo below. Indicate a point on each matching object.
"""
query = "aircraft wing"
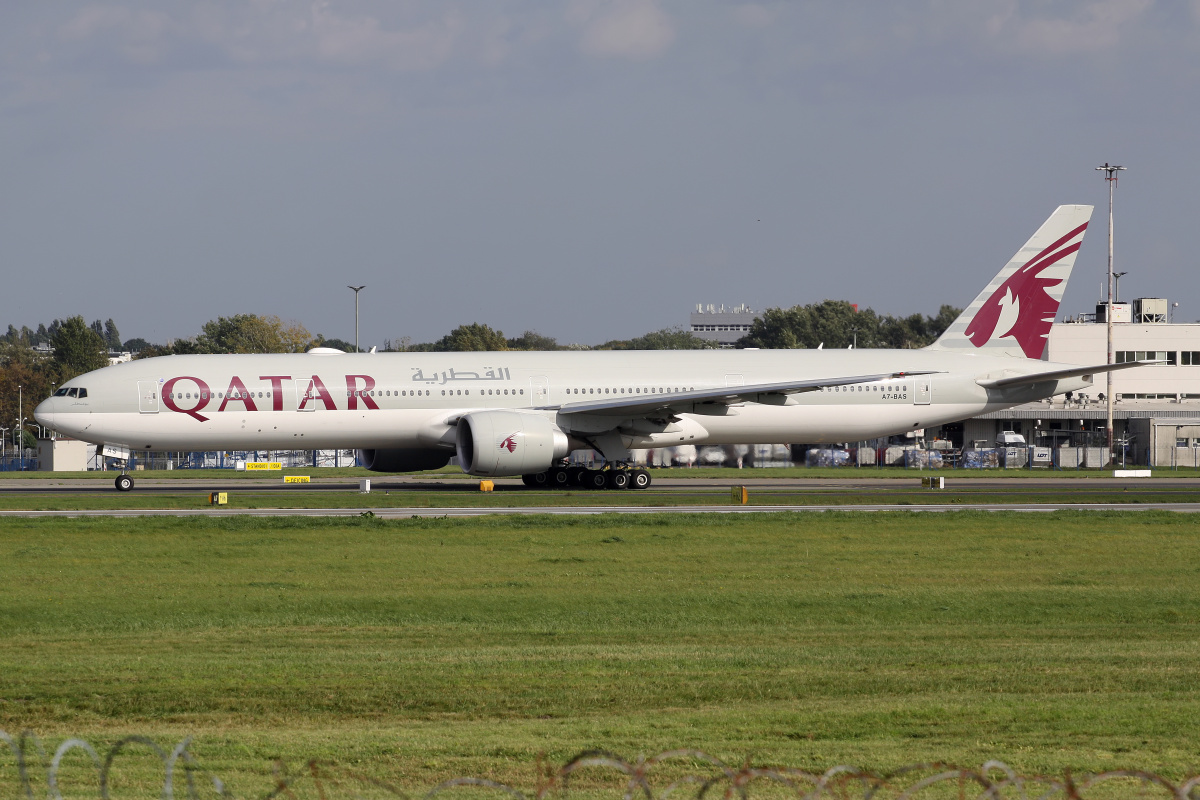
(1059, 374)
(667, 402)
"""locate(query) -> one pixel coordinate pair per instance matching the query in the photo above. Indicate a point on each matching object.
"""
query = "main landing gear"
(572, 477)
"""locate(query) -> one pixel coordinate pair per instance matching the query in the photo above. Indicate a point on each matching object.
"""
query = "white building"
(1156, 409)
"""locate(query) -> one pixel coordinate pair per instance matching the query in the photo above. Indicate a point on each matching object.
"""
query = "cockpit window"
(62, 392)
(73, 392)
(83, 392)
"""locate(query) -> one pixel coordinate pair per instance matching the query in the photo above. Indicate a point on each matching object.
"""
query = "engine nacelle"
(403, 460)
(493, 443)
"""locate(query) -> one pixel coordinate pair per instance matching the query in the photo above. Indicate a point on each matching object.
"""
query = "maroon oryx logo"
(1023, 303)
(509, 443)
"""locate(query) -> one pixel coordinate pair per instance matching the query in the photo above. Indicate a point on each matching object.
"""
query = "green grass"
(427, 648)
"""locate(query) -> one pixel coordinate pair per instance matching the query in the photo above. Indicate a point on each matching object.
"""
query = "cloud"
(268, 32)
(139, 35)
(756, 15)
(364, 39)
(1089, 27)
(634, 29)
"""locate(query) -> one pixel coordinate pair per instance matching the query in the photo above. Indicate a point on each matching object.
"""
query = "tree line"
(837, 324)
(44, 334)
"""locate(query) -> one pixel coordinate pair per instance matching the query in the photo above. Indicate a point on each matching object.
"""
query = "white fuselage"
(413, 400)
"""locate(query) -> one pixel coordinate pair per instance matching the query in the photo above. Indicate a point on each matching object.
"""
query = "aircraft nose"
(44, 413)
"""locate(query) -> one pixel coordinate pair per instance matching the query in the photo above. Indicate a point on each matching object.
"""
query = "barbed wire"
(706, 775)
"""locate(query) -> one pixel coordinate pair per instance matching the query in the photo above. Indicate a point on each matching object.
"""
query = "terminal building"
(716, 324)
(1156, 409)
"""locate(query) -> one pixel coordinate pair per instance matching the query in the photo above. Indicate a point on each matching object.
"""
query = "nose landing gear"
(124, 483)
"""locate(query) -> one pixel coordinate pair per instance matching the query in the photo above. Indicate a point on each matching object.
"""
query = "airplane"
(522, 413)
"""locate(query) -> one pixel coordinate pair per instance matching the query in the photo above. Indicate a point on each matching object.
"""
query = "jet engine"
(403, 460)
(492, 443)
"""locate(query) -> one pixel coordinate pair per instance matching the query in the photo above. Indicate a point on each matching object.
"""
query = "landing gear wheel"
(559, 478)
(618, 479)
(577, 475)
(124, 483)
(641, 479)
(540, 480)
(596, 479)
(527, 480)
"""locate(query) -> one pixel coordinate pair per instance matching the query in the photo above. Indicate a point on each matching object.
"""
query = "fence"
(11, 463)
(919, 458)
(675, 772)
(141, 459)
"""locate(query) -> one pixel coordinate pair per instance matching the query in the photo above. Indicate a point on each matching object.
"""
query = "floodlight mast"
(356, 289)
(1110, 171)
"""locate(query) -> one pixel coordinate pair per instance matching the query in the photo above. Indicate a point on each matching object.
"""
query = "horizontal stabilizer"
(1059, 374)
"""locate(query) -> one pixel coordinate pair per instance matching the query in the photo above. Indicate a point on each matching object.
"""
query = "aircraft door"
(308, 396)
(539, 391)
(924, 391)
(148, 397)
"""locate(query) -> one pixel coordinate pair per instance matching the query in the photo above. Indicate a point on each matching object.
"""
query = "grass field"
(421, 649)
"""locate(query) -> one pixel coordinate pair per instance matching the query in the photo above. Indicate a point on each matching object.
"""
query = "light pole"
(356, 289)
(1110, 171)
(1117, 285)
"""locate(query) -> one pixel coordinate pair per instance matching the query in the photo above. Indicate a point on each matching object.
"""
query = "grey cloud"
(570, 166)
(1085, 27)
(636, 29)
(363, 39)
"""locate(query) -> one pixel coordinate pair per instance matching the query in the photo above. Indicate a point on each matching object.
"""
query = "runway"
(435, 496)
(409, 513)
(423, 483)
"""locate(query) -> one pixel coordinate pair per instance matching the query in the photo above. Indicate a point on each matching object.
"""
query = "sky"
(589, 169)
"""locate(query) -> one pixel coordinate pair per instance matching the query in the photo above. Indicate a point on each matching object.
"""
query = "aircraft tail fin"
(1013, 314)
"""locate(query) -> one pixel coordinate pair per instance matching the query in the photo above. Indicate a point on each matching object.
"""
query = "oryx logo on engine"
(509, 443)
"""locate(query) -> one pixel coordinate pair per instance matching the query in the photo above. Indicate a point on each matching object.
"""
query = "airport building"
(716, 324)
(1156, 409)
